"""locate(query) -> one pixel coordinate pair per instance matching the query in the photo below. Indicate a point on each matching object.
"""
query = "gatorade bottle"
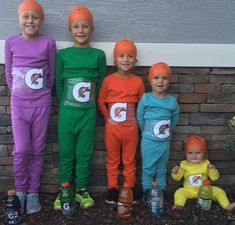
(155, 201)
(12, 209)
(125, 199)
(67, 200)
(205, 195)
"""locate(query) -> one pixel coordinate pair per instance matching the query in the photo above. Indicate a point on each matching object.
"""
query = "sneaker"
(57, 204)
(111, 196)
(22, 198)
(145, 196)
(135, 196)
(84, 198)
(33, 204)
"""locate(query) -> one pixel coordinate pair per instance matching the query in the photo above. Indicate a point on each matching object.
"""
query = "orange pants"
(121, 143)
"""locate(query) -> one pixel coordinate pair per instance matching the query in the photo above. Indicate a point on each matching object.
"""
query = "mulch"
(104, 214)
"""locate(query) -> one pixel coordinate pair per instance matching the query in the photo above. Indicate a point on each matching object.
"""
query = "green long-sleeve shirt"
(88, 63)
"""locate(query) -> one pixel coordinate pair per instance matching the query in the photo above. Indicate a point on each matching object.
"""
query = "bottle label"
(156, 206)
(68, 208)
(12, 217)
(124, 209)
(205, 204)
(153, 207)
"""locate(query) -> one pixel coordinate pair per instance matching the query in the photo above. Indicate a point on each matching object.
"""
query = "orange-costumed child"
(119, 94)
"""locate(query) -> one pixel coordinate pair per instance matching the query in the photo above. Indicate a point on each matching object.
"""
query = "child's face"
(81, 32)
(125, 64)
(30, 24)
(159, 84)
(194, 155)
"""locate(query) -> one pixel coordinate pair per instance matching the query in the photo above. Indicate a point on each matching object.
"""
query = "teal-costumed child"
(157, 115)
(80, 70)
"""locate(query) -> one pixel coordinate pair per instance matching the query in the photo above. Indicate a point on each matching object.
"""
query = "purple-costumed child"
(29, 69)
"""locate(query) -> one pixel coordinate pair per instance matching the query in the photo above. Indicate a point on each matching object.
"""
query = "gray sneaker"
(33, 204)
(22, 198)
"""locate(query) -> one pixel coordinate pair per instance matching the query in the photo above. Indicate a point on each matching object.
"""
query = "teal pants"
(155, 156)
(76, 133)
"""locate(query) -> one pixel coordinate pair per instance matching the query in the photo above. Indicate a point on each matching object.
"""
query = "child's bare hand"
(211, 167)
(175, 169)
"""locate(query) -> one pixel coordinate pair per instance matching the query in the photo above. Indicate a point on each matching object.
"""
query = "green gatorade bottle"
(205, 195)
(68, 202)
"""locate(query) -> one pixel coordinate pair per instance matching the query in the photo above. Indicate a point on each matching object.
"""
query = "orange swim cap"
(195, 141)
(80, 12)
(159, 69)
(124, 46)
(28, 5)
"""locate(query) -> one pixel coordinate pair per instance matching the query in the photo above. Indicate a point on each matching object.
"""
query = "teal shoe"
(33, 203)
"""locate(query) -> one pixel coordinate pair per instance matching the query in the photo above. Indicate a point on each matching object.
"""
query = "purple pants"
(29, 130)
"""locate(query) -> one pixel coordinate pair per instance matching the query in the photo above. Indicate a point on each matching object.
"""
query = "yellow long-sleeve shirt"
(195, 174)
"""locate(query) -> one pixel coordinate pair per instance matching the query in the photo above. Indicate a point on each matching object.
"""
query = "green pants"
(76, 142)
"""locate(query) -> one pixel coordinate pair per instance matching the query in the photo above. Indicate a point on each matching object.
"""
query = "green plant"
(229, 144)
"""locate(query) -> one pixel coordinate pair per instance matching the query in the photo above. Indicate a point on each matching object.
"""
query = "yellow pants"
(182, 194)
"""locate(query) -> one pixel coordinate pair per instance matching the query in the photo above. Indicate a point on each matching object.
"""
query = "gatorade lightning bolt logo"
(82, 91)
(35, 77)
(118, 110)
(163, 128)
(196, 178)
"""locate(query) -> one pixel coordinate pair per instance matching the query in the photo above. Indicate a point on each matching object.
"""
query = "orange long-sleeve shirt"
(116, 88)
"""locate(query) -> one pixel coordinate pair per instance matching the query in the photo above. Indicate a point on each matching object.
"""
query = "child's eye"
(156, 77)
(165, 78)
(35, 17)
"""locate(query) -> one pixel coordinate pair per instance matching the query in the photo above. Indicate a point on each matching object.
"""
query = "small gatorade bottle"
(125, 199)
(205, 195)
(67, 200)
(155, 201)
(12, 209)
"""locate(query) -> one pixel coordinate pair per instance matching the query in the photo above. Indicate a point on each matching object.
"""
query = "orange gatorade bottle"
(125, 199)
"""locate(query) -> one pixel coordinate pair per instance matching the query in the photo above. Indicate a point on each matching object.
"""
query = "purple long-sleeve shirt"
(29, 69)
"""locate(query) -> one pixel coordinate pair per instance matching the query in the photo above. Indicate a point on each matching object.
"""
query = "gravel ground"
(103, 214)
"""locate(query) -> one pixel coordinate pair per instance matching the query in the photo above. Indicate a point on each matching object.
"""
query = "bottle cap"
(125, 195)
(207, 182)
(65, 184)
(155, 183)
(11, 192)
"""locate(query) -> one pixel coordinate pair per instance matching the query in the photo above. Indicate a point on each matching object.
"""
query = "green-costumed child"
(80, 70)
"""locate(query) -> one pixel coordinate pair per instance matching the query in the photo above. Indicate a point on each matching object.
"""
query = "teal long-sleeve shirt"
(152, 110)
(74, 62)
